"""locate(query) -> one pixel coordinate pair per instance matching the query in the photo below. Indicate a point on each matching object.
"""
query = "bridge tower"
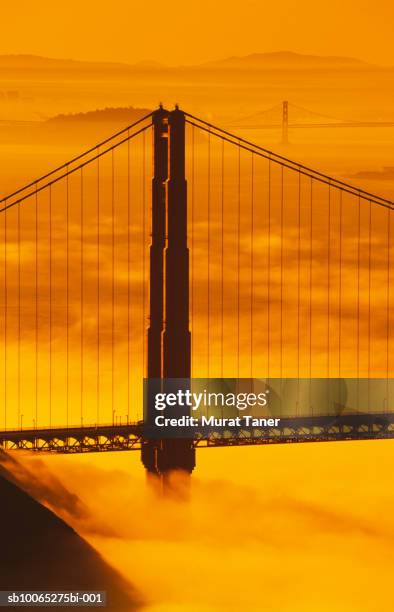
(285, 122)
(169, 341)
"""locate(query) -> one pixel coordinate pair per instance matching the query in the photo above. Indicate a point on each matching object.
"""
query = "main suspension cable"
(75, 159)
(288, 163)
(70, 171)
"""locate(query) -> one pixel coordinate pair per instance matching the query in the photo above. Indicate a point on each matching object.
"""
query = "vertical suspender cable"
(251, 262)
(340, 288)
(328, 278)
(310, 292)
(128, 279)
(222, 263)
(36, 306)
(192, 245)
(269, 271)
(369, 297)
(340, 301)
(19, 311)
(98, 294)
(358, 295)
(299, 281)
(50, 305)
(82, 294)
(208, 254)
(238, 261)
(5, 316)
(388, 313)
(281, 271)
(281, 284)
(143, 251)
(67, 298)
(298, 291)
(113, 282)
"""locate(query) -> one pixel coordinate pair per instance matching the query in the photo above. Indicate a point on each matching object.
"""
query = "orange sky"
(128, 31)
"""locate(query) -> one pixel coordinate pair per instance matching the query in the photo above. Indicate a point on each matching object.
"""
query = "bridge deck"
(100, 438)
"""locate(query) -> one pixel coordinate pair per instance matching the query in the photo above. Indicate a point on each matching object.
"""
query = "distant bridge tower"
(169, 341)
(285, 123)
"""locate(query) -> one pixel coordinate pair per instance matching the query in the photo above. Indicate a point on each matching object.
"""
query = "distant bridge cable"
(264, 112)
(310, 112)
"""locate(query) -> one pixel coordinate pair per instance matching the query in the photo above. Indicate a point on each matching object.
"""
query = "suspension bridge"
(177, 249)
(287, 116)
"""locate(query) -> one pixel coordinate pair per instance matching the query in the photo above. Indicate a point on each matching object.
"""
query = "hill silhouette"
(277, 59)
(81, 128)
(123, 115)
(38, 62)
(41, 552)
(285, 59)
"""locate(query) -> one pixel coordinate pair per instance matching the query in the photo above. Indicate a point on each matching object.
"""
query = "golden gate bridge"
(177, 249)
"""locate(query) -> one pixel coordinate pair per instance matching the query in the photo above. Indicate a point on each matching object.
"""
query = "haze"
(195, 32)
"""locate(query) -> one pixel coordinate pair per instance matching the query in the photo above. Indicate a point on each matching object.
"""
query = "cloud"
(43, 485)
(236, 544)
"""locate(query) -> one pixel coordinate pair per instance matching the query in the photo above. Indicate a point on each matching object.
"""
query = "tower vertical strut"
(169, 340)
(156, 287)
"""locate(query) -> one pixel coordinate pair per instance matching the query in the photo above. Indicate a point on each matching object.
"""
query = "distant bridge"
(266, 120)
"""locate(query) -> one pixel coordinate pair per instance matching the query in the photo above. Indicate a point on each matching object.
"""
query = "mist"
(266, 528)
